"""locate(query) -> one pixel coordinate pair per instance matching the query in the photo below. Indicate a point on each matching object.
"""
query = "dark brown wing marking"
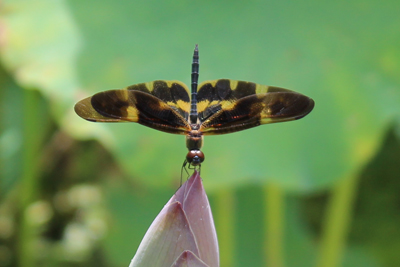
(174, 93)
(217, 94)
(85, 110)
(254, 110)
(135, 106)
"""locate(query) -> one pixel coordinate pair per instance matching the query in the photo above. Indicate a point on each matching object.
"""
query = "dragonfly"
(212, 107)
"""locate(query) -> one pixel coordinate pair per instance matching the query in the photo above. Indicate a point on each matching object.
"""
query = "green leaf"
(343, 56)
(40, 45)
(11, 129)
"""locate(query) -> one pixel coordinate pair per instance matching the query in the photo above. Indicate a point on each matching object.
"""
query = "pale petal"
(198, 212)
(168, 236)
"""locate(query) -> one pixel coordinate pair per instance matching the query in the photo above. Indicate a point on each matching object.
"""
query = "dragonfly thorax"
(194, 142)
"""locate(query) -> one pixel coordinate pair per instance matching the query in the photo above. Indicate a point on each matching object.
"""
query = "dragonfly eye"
(195, 157)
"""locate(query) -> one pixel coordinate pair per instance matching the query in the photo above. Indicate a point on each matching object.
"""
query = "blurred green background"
(322, 191)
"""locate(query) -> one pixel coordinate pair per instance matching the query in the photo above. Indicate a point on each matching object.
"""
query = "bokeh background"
(321, 191)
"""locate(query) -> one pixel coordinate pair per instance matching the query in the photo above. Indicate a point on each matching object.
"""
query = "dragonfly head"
(195, 157)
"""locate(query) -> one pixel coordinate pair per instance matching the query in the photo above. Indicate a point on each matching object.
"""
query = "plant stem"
(274, 203)
(29, 179)
(225, 201)
(337, 223)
